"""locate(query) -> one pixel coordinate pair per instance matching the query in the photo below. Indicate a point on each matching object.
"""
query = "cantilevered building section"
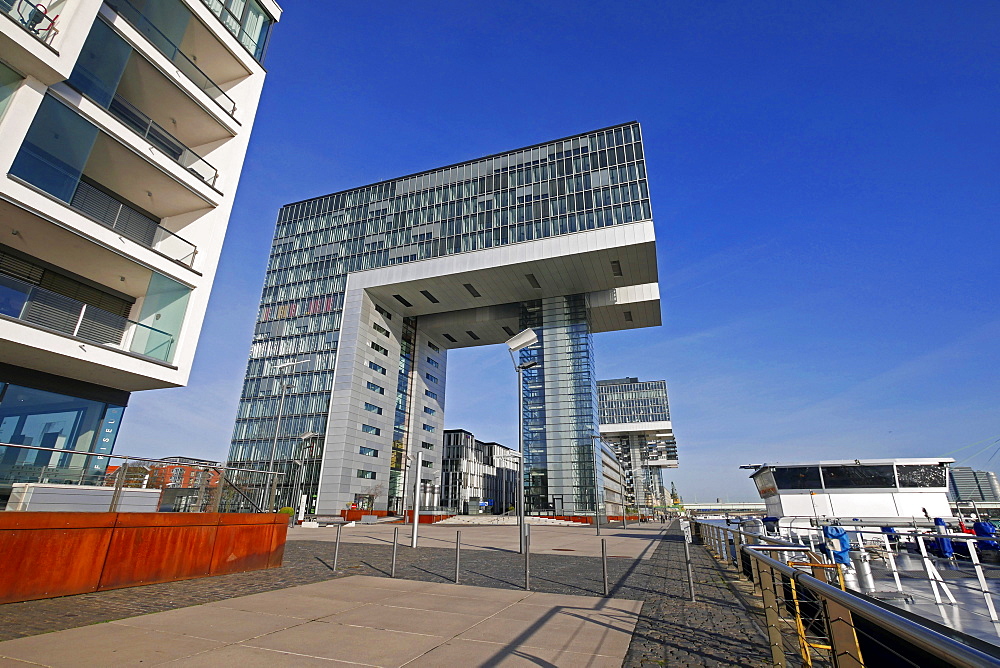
(123, 129)
(635, 420)
(367, 290)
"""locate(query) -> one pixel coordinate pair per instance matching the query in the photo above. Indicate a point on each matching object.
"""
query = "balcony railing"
(173, 52)
(34, 18)
(108, 211)
(154, 133)
(234, 26)
(69, 316)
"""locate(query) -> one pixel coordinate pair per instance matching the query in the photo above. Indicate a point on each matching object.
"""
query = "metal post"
(974, 554)
(395, 543)
(527, 561)
(772, 617)
(521, 524)
(120, 475)
(843, 638)
(416, 499)
(458, 553)
(336, 550)
(891, 556)
(274, 451)
(604, 563)
(597, 488)
(687, 561)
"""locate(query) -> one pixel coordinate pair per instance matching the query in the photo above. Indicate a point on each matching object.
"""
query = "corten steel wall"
(49, 554)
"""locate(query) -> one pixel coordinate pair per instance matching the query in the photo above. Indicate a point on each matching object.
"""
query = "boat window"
(765, 484)
(797, 477)
(921, 475)
(841, 477)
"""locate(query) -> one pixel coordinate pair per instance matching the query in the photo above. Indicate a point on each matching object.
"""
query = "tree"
(366, 500)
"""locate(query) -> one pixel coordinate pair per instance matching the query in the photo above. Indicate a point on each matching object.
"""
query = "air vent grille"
(399, 298)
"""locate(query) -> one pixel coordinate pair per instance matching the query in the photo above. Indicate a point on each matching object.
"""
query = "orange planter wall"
(57, 554)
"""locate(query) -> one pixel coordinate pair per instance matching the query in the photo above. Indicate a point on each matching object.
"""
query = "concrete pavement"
(355, 620)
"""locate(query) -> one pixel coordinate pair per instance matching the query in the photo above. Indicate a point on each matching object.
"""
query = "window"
(428, 427)
(380, 329)
(427, 464)
(432, 395)
(378, 348)
(383, 312)
(921, 475)
(432, 346)
(847, 477)
(797, 477)
(427, 446)
(431, 378)
(433, 362)
(372, 408)
(368, 429)
(368, 475)
(376, 367)
(429, 411)
(376, 388)
(369, 452)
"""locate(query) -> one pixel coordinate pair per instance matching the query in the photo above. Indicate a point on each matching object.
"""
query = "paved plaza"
(306, 613)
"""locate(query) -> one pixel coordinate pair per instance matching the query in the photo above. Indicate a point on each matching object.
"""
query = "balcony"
(152, 132)
(58, 313)
(165, 45)
(33, 18)
(250, 24)
(101, 206)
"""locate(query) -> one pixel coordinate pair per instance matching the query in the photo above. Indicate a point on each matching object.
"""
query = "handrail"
(164, 45)
(72, 317)
(930, 641)
(155, 134)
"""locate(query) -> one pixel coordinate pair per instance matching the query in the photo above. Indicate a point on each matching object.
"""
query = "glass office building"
(367, 290)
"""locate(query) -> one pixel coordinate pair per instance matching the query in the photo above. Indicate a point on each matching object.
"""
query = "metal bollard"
(527, 557)
(395, 543)
(458, 553)
(336, 550)
(687, 558)
(604, 563)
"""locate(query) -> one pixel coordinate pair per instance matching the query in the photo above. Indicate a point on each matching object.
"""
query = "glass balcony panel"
(45, 308)
(155, 23)
(33, 18)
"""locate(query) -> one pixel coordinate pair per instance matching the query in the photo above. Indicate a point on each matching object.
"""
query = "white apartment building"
(123, 129)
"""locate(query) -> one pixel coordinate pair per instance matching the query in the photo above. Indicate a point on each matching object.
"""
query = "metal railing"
(164, 45)
(65, 315)
(810, 621)
(234, 26)
(154, 133)
(111, 212)
(215, 488)
(34, 18)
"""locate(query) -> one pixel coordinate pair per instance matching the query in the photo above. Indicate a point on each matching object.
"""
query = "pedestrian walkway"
(355, 620)
(646, 571)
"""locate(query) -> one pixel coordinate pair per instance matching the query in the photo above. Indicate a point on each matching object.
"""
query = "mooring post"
(458, 553)
(604, 563)
(336, 549)
(395, 542)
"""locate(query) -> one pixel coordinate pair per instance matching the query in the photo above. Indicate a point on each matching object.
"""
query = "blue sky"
(824, 186)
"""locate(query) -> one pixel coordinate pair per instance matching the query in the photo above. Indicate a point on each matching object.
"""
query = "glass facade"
(580, 183)
(627, 400)
(9, 81)
(49, 420)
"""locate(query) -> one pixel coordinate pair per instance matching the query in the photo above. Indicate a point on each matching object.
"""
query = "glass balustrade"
(69, 316)
(141, 22)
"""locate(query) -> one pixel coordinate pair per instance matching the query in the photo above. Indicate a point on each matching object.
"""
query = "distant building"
(968, 485)
(477, 477)
(635, 420)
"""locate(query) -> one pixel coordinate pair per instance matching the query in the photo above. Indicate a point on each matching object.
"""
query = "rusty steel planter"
(56, 554)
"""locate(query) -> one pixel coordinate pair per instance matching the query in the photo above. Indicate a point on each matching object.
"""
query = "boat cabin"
(856, 488)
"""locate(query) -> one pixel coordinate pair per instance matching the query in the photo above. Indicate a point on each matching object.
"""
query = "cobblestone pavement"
(671, 631)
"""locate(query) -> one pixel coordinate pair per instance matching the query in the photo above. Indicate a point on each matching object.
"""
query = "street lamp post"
(277, 431)
(516, 343)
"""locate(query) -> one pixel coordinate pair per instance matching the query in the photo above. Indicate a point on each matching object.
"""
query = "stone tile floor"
(671, 631)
